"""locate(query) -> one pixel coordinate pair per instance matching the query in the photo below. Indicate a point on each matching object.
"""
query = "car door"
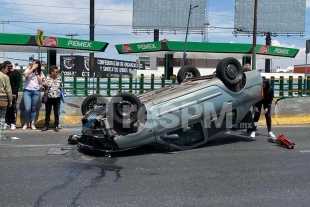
(218, 109)
(182, 117)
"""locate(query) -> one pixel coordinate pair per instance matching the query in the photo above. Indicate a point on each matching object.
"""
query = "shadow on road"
(222, 139)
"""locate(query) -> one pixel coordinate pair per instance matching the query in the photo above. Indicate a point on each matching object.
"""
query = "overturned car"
(180, 116)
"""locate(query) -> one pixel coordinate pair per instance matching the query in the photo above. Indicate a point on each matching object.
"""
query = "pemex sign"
(79, 43)
(139, 47)
(277, 51)
(51, 41)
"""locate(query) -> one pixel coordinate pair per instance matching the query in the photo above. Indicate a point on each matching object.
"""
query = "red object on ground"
(284, 141)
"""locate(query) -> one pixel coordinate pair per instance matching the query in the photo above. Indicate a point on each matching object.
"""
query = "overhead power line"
(63, 7)
(70, 23)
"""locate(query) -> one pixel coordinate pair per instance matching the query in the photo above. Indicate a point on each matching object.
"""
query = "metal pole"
(267, 61)
(156, 34)
(184, 52)
(93, 82)
(306, 67)
(254, 36)
(71, 35)
(3, 55)
(3, 22)
(92, 34)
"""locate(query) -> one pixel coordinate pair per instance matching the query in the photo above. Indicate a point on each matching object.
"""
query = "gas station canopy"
(31, 44)
(205, 50)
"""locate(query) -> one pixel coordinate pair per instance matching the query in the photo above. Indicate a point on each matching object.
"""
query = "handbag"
(3, 98)
(44, 98)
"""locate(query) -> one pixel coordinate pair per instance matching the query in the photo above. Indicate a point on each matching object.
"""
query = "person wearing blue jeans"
(31, 99)
(31, 96)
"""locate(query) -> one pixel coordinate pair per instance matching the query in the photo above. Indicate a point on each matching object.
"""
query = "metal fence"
(110, 86)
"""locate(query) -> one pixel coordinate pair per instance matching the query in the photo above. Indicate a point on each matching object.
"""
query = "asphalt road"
(232, 170)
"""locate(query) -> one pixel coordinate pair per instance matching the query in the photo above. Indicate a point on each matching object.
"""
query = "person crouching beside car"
(267, 99)
(5, 97)
(53, 87)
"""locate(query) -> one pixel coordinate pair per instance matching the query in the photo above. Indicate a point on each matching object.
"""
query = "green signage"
(139, 47)
(73, 43)
(52, 41)
(276, 51)
(205, 47)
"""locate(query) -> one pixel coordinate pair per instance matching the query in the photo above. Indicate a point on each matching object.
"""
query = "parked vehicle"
(181, 116)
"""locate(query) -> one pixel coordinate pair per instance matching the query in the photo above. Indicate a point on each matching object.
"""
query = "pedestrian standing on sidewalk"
(11, 112)
(267, 94)
(31, 96)
(53, 87)
(5, 97)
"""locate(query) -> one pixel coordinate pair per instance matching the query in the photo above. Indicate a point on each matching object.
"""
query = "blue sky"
(22, 16)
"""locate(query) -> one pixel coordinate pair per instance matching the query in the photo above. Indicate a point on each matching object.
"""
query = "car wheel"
(92, 102)
(188, 71)
(123, 108)
(229, 71)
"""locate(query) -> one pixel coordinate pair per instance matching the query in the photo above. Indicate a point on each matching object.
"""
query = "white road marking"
(305, 151)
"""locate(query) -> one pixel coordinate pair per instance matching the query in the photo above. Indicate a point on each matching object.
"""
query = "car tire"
(229, 71)
(93, 101)
(117, 114)
(188, 71)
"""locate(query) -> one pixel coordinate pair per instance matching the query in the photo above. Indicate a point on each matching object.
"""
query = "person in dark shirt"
(267, 98)
(11, 113)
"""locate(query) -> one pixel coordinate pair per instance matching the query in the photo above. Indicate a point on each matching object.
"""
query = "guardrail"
(289, 89)
(110, 86)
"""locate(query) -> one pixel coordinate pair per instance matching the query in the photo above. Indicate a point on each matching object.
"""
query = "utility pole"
(3, 22)
(71, 35)
(189, 16)
(254, 36)
(267, 61)
(92, 35)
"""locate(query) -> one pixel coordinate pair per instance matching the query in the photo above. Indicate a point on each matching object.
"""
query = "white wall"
(209, 71)
(161, 70)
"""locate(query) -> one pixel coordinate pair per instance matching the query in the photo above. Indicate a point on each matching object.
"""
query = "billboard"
(79, 65)
(275, 16)
(168, 14)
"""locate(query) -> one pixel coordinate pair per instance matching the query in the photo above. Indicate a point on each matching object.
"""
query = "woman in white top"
(31, 96)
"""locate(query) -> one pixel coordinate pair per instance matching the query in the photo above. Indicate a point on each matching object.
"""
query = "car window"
(188, 136)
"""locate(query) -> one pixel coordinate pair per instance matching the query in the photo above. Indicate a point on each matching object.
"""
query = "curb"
(66, 121)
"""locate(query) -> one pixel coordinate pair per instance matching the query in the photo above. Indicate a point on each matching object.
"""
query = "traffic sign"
(40, 37)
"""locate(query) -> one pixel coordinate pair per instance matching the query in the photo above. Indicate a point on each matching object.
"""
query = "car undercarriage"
(128, 121)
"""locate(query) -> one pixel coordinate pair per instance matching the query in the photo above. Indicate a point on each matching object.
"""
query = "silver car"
(180, 116)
